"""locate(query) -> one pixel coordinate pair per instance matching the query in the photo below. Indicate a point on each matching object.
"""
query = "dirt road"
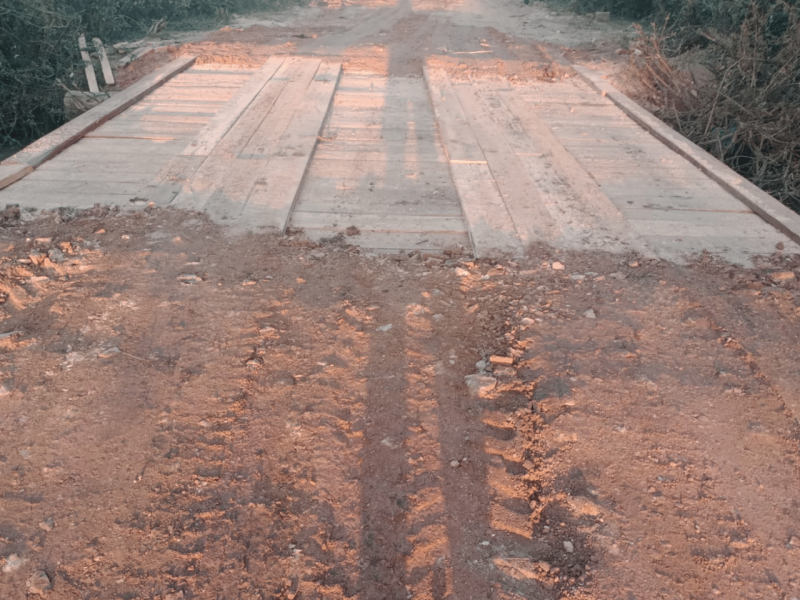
(187, 413)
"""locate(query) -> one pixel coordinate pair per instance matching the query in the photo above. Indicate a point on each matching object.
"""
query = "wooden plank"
(220, 124)
(491, 227)
(738, 250)
(50, 145)
(264, 141)
(385, 152)
(91, 78)
(105, 146)
(406, 134)
(588, 217)
(108, 74)
(9, 173)
(709, 225)
(170, 180)
(153, 137)
(223, 168)
(118, 175)
(116, 127)
(193, 95)
(769, 208)
(386, 202)
(74, 187)
(112, 163)
(137, 54)
(167, 118)
(454, 128)
(403, 174)
(274, 194)
(378, 223)
(528, 210)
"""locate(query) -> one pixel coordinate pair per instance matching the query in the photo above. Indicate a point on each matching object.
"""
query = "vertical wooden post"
(108, 74)
(87, 61)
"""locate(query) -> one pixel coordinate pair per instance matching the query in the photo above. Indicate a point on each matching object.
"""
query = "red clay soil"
(186, 414)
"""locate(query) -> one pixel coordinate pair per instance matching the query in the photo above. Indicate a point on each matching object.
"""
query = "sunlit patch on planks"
(110, 164)
(380, 171)
(557, 162)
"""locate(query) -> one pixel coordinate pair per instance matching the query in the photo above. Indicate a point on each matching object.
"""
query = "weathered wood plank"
(12, 172)
(387, 202)
(222, 174)
(586, 215)
(491, 228)
(105, 65)
(66, 135)
(91, 78)
(264, 141)
(44, 186)
(378, 223)
(770, 209)
(274, 195)
(221, 123)
(106, 146)
(111, 163)
(528, 210)
(109, 177)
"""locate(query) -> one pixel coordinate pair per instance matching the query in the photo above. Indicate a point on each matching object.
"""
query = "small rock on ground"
(479, 385)
(39, 583)
(13, 562)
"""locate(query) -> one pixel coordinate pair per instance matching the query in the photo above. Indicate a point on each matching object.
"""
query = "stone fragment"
(189, 278)
(108, 352)
(557, 266)
(783, 276)
(462, 272)
(39, 583)
(589, 314)
(385, 327)
(55, 255)
(47, 524)
(13, 563)
(569, 547)
(480, 385)
(455, 464)
(543, 566)
(505, 361)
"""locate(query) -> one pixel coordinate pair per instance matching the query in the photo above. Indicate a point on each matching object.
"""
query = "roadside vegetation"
(39, 57)
(726, 74)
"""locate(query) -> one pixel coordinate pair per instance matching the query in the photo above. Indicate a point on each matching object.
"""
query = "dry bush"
(750, 116)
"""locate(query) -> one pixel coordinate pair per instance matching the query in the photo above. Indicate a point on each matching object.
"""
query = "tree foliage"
(39, 56)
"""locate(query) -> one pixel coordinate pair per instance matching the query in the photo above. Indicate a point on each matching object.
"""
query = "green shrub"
(39, 56)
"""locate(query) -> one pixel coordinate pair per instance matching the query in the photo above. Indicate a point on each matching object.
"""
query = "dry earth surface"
(189, 413)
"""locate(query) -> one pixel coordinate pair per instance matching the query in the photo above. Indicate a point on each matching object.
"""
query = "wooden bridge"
(403, 163)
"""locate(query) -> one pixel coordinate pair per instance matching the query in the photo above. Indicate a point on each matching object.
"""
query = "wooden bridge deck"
(408, 163)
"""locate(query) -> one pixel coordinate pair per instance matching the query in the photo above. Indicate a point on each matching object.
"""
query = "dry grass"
(748, 116)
